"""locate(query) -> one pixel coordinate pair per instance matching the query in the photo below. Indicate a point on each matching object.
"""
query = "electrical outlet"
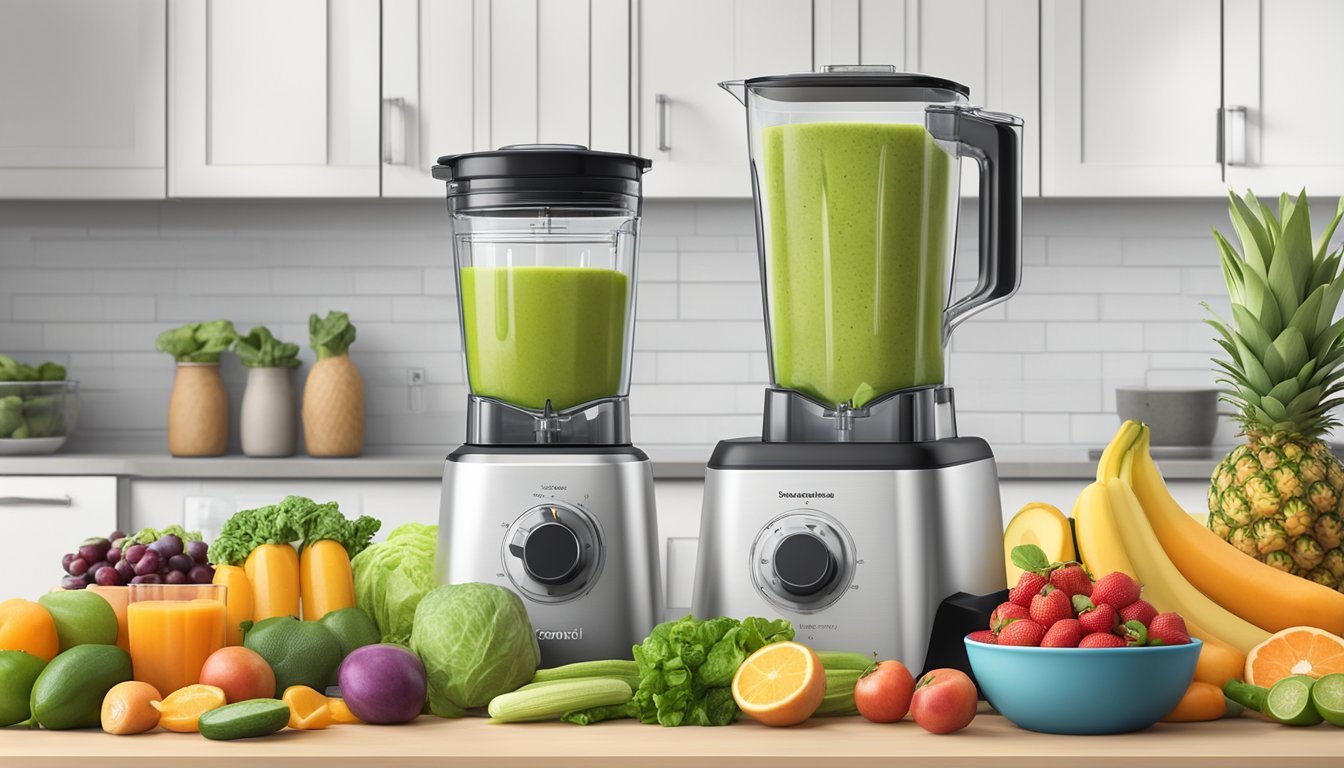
(415, 377)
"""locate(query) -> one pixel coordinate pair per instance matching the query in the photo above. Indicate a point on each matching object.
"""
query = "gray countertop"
(1014, 463)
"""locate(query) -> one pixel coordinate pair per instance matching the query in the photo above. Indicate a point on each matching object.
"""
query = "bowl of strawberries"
(1066, 654)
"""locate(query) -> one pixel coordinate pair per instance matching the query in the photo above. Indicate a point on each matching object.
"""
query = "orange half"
(1295, 651)
(181, 709)
(781, 684)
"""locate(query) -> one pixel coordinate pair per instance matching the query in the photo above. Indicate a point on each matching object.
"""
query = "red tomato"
(883, 694)
(944, 701)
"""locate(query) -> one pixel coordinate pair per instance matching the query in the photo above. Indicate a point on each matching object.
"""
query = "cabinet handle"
(664, 122)
(1234, 131)
(36, 501)
(394, 131)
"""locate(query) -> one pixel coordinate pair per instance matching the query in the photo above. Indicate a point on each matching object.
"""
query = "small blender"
(860, 510)
(548, 497)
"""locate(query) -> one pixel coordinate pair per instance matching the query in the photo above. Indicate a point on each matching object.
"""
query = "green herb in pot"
(260, 349)
(197, 342)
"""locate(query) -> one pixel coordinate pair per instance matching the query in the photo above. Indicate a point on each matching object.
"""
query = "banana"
(1163, 584)
(1109, 464)
(1099, 544)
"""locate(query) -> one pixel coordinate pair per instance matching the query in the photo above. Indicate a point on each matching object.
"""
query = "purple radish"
(383, 683)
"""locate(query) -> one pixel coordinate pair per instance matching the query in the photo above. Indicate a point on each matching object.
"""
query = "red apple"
(944, 701)
(883, 693)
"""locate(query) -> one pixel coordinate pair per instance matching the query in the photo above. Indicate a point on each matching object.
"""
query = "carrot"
(127, 708)
(273, 570)
(1201, 702)
(326, 581)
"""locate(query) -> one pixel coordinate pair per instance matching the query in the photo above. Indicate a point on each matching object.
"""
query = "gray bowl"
(1177, 416)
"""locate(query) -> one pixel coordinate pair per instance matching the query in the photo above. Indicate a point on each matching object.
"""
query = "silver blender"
(548, 497)
(860, 510)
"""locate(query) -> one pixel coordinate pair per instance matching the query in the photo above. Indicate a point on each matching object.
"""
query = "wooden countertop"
(832, 743)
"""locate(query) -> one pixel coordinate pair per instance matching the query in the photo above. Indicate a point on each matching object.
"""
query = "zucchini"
(846, 660)
(603, 668)
(553, 701)
(839, 698)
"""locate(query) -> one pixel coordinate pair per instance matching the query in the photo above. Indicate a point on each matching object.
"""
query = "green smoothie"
(859, 226)
(544, 333)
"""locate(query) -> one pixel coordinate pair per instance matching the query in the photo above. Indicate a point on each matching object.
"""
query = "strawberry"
(1050, 606)
(1029, 584)
(1065, 633)
(984, 636)
(1095, 618)
(1116, 589)
(1141, 611)
(1101, 640)
(1133, 633)
(1167, 629)
(1072, 580)
(1021, 632)
(1005, 613)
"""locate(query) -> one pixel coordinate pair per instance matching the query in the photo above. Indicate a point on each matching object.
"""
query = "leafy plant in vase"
(198, 410)
(269, 421)
(333, 396)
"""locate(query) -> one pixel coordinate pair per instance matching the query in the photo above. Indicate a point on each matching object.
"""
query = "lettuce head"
(392, 576)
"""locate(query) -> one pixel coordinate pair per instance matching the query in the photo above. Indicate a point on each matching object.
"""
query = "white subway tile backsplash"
(707, 243)
(1051, 306)
(1085, 250)
(982, 335)
(303, 281)
(720, 301)
(403, 282)
(1000, 428)
(1083, 337)
(1169, 251)
(440, 281)
(413, 309)
(726, 267)
(1062, 366)
(1151, 307)
(1046, 429)
(44, 281)
(657, 266)
(727, 218)
(657, 301)
(708, 367)
(1050, 278)
(1204, 281)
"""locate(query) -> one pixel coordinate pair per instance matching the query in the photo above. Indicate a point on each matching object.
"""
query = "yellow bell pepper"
(237, 600)
(273, 570)
(326, 581)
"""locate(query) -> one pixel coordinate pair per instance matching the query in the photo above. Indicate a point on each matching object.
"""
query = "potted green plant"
(198, 411)
(268, 424)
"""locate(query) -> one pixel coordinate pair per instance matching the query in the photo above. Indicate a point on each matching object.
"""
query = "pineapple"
(333, 395)
(1279, 497)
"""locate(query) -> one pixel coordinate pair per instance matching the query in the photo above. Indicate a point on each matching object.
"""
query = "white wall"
(1110, 295)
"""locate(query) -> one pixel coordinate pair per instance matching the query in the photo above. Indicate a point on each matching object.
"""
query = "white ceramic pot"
(269, 421)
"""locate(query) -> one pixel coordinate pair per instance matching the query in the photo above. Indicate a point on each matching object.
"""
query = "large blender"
(860, 510)
(548, 497)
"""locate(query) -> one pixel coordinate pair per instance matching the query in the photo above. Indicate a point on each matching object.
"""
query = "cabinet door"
(695, 132)
(990, 46)
(49, 516)
(273, 99)
(1282, 121)
(82, 84)
(517, 72)
(1130, 94)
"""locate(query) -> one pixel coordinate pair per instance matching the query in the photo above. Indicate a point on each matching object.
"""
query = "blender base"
(856, 543)
(570, 529)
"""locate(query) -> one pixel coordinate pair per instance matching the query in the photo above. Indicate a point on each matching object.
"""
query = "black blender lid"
(857, 83)
(542, 174)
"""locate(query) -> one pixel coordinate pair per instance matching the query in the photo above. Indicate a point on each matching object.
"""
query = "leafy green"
(392, 577)
(197, 342)
(331, 335)
(325, 521)
(294, 519)
(476, 642)
(13, 370)
(260, 349)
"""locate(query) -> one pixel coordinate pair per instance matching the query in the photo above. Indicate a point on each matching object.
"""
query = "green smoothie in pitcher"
(544, 333)
(859, 222)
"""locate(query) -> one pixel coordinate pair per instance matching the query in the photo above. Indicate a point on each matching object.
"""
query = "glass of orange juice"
(173, 629)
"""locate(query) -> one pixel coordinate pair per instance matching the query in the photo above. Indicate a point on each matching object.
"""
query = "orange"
(27, 626)
(240, 672)
(128, 708)
(183, 707)
(340, 712)
(1294, 651)
(117, 597)
(781, 684)
(308, 709)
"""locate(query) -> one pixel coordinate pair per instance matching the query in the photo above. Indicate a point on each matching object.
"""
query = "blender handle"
(992, 139)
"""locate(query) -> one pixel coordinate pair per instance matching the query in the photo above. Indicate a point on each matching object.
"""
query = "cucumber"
(839, 698)
(621, 668)
(846, 660)
(552, 701)
(244, 719)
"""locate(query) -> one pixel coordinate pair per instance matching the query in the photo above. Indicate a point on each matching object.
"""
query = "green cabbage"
(392, 576)
(476, 642)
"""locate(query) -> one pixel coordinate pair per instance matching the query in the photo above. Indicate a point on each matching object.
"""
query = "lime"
(69, 692)
(1289, 701)
(18, 672)
(353, 629)
(1327, 695)
(300, 652)
(82, 618)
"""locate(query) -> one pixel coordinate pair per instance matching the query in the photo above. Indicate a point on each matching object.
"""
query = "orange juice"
(117, 597)
(171, 639)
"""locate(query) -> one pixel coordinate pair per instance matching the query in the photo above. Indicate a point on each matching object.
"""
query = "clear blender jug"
(855, 174)
(545, 239)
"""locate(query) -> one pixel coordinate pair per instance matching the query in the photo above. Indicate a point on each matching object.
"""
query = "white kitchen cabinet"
(1130, 97)
(694, 131)
(273, 99)
(471, 75)
(46, 517)
(1282, 111)
(82, 89)
(990, 46)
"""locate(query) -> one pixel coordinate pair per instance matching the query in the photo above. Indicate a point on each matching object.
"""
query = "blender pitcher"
(855, 174)
(545, 239)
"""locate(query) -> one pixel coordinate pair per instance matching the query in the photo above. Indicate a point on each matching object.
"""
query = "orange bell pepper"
(326, 581)
(273, 571)
(237, 600)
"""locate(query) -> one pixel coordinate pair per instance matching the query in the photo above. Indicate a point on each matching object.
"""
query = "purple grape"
(73, 582)
(125, 570)
(116, 535)
(168, 546)
(94, 549)
(65, 561)
(177, 577)
(202, 574)
(181, 563)
(93, 569)
(113, 556)
(150, 578)
(197, 550)
(77, 567)
(148, 563)
(135, 552)
(88, 577)
(119, 543)
(108, 577)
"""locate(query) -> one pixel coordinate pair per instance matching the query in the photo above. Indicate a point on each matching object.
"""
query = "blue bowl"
(1083, 690)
